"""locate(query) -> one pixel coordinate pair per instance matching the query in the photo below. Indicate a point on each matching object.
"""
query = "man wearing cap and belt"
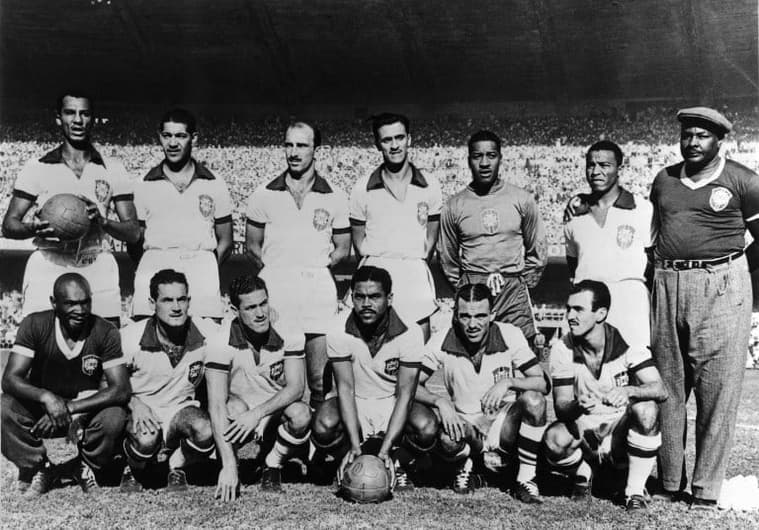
(702, 299)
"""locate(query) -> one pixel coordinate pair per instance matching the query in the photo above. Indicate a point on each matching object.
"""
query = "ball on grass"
(366, 480)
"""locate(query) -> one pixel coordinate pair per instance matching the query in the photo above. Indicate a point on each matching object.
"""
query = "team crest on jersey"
(195, 372)
(621, 379)
(422, 212)
(276, 370)
(502, 372)
(625, 236)
(719, 199)
(102, 190)
(206, 205)
(392, 365)
(489, 218)
(90, 363)
(321, 219)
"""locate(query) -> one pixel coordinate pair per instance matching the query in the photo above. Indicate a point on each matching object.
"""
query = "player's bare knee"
(235, 406)
(145, 443)
(447, 446)
(533, 406)
(326, 425)
(422, 425)
(644, 417)
(559, 442)
(297, 417)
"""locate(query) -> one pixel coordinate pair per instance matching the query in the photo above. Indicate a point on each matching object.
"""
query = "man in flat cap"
(701, 307)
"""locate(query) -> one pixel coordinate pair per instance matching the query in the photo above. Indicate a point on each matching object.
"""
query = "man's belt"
(687, 264)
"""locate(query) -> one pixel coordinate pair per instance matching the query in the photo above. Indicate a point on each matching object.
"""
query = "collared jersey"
(153, 379)
(394, 228)
(104, 180)
(231, 353)
(616, 250)
(618, 368)
(705, 219)
(375, 376)
(498, 232)
(298, 236)
(506, 354)
(62, 370)
(182, 220)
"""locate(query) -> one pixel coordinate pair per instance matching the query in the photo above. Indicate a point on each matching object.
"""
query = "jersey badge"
(502, 372)
(392, 365)
(102, 190)
(206, 205)
(321, 219)
(276, 370)
(621, 379)
(422, 212)
(90, 363)
(719, 199)
(625, 236)
(489, 218)
(195, 372)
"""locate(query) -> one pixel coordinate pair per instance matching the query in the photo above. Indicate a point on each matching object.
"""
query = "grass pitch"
(307, 506)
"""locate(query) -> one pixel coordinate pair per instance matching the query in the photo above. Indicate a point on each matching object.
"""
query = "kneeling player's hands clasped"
(57, 416)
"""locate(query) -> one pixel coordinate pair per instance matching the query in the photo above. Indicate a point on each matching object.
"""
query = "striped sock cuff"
(135, 455)
(641, 445)
(188, 446)
(528, 442)
(568, 464)
(287, 438)
(336, 443)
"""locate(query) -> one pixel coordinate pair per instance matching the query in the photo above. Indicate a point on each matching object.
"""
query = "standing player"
(491, 232)
(395, 217)
(702, 298)
(255, 385)
(186, 215)
(76, 167)
(496, 391)
(376, 360)
(54, 375)
(297, 229)
(605, 394)
(165, 355)
(607, 242)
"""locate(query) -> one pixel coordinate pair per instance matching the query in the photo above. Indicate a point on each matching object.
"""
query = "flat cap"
(707, 118)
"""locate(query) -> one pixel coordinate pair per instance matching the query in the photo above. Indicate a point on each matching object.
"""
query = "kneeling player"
(255, 385)
(495, 387)
(605, 397)
(165, 355)
(376, 359)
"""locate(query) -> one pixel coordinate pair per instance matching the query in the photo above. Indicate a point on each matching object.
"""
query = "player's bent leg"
(459, 454)
(99, 442)
(141, 449)
(419, 437)
(191, 429)
(643, 442)
(327, 432)
(317, 367)
(564, 454)
(292, 436)
(530, 411)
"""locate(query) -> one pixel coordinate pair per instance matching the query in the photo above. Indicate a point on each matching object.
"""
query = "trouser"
(102, 433)
(699, 343)
(512, 305)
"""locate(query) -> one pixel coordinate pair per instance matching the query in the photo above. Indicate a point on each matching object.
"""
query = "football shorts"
(413, 286)
(301, 298)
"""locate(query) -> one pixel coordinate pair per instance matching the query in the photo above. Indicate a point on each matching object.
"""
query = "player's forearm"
(219, 425)
(536, 383)
(280, 401)
(16, 229)
(567, 411)
(349, 415)
(425, 397)
(397, 420)
(111, 396)
(127, 230)
(20, 388)
(653, 391)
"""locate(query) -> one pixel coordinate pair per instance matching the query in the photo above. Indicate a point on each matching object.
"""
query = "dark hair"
(73, 93)
(474, 292)
(244, 285)
(388, 118)
(484, 136)
(163, 277)
(179, 115)
(368, 273)
(70, 277)
(601, 295)
(301, 123)
(607, 145)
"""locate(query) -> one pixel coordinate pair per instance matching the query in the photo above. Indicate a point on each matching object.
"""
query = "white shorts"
(201, 269)
(166, 414)
(489, 427)
(629, 311)
(301, 298)
(413, 286)
(597, 431)
(374, 415)
(102, 274)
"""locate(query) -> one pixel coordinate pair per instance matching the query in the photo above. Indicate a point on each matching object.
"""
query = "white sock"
(641, 453)
(284, 445)
(528, 445)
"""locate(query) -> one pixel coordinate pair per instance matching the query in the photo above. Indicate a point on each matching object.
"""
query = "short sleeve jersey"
(104, 180)
(254, 375)
(185, 219)
(62, 370)
(154, 380)
(705, 219)
(394, 228)
(616, 250)
(298, 235)
(376, 374)
(506, 354)
(618, 368)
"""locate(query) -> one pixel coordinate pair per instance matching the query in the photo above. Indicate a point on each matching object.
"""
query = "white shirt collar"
(689, 183)
(67, 352)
